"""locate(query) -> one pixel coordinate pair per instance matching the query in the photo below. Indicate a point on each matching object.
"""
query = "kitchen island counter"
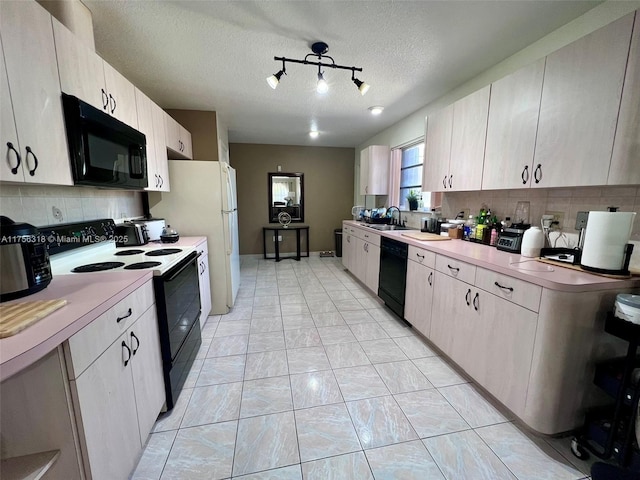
(88, 296)
(524, 268)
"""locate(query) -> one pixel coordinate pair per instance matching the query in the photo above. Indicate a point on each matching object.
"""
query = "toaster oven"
(130, 234)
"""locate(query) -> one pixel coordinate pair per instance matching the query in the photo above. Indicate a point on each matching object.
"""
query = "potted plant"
(413, 198)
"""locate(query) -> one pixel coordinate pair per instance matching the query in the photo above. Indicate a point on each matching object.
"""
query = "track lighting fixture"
(274, 79)
(319, 50)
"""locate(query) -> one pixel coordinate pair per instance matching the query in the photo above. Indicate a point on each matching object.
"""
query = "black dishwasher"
(393, 274)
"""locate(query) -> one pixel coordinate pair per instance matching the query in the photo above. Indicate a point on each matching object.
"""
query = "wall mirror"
(286, 194)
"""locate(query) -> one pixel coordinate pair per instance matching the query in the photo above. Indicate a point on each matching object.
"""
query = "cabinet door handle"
(105, 99)
(476, 301)
(509, 289)
(453, 269)
(430, 279)
(14, 170)
(467, 297)
(112, 103)
(133, 336)
(129, 313)
(444, 181)
(450, 178)
(537, 173)
(161, 181)
(35, 160)
(124, 344)
(525, 175)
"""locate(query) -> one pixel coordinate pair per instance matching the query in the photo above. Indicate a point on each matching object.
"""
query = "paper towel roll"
(605, 240)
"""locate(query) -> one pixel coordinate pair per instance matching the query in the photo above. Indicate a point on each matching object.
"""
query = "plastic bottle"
(466, 232)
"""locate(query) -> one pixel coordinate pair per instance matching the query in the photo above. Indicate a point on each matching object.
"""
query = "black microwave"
(104, 151)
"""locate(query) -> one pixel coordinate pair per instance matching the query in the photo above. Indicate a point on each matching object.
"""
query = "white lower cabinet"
(419, 296)
(491, 338)
(372, 267)
(118, 397)
(205, 289)
(361, 255)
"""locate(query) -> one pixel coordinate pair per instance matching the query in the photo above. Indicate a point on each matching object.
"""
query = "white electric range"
(75, 248)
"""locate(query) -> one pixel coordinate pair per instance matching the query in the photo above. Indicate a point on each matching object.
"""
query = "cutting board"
(425, 236)
(18, 316)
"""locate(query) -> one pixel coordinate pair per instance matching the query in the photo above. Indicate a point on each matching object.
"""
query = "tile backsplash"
(46, 205)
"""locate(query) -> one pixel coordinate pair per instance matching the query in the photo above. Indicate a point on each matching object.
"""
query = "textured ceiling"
(216, 55)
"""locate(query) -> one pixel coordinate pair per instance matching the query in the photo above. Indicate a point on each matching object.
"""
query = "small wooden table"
(276, 228)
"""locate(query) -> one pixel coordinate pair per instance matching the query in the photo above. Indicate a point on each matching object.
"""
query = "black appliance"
(393, 274)
(104, 151)
(130, 234)
(510, 239)
(178, 306)
(24, 260)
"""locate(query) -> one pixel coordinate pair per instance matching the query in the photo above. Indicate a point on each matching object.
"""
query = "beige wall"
(203, 128)
(328, 189)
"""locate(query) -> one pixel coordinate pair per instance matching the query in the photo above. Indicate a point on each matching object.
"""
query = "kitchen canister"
(532, 242)
(606, 246)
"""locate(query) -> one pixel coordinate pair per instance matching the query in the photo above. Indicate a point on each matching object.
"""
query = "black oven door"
(182, 301)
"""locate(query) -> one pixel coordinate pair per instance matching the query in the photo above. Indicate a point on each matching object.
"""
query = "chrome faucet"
(395, 222)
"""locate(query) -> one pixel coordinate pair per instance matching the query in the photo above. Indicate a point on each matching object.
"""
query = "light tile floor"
(309, 376)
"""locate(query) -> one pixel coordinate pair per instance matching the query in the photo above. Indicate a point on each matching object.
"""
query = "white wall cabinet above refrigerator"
(178, 139)
(87, 76)
(374, 170)
(40, 153)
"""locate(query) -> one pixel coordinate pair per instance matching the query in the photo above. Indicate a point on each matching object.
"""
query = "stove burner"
(163, 251)
(97, 267)
(141, 265)
(128, 252)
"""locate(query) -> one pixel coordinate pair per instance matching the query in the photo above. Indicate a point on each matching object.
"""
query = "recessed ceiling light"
(314, 134)
(376, 110)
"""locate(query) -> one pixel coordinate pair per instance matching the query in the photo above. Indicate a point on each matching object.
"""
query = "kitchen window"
(410, 172)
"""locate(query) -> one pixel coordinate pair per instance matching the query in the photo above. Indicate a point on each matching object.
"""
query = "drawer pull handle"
(467, 297)
(124, 344)
(430, 279)
(420, 256)
(14, 170)
(129, 313)
(133, 335)
(453, 269)
(476, 301)
(509, 289)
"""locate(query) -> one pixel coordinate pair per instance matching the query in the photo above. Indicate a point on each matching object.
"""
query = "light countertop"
(88, 296)
(514, 265)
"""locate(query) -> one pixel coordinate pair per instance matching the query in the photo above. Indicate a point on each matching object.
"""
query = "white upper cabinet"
(161, 161)
(374, 170)
(122, 96)
(178, 139)
(34, 86)
(437, 150)
(625, 162)
(87, 76)
(579, 108)
(468, 140)
(11, 165)
(512, 127)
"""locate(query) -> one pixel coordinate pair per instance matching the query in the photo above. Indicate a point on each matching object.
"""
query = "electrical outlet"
(273, 239)
(557, 217)
(581, 220)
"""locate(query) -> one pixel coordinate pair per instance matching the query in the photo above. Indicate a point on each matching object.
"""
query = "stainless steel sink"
(389, 227)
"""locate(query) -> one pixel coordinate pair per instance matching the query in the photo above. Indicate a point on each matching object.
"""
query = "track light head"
(362, 86)
(322, 86)
(274, 79)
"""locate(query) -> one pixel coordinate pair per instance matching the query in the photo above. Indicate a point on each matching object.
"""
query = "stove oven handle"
(190, 260)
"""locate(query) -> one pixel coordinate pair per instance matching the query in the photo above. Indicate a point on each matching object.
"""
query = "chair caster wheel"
(578, 450)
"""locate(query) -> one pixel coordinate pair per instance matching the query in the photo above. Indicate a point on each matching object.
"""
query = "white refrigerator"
(203, 201)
